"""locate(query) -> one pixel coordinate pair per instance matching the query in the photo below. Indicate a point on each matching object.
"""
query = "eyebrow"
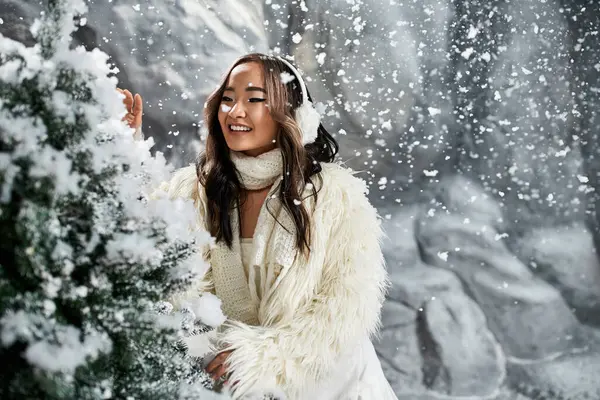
(248, 89)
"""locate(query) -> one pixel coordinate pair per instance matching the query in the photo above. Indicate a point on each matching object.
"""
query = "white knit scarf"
(258, 172)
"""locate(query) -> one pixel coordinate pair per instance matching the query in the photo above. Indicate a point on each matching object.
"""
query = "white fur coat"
(325, 306)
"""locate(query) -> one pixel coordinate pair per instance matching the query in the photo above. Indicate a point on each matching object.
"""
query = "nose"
(238, 110)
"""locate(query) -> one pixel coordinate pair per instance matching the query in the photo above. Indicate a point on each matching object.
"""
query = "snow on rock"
(429, 318)
(465, 358)
(565, 257)
(527, 315)
(568, 377)
(172, 53)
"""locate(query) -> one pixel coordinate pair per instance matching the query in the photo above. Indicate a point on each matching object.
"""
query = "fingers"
(214, 364)
(134, 107)
(128, 101)
(138, 109)
(219, 372)
(216, 368)
(138, 105)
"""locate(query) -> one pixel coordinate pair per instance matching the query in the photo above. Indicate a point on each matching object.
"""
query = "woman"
(297, 261)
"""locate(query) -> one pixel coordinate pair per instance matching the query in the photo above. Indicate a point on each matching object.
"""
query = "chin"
(240, 145)
(250, 148)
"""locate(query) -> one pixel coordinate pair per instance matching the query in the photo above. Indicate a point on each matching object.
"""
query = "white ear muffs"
(307, 117)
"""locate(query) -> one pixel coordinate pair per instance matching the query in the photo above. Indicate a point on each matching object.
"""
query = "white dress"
(359, 375)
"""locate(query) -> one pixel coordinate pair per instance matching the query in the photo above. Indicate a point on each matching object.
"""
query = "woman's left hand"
(216, 368)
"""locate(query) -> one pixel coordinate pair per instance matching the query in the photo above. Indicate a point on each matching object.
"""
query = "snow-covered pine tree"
(84, 258)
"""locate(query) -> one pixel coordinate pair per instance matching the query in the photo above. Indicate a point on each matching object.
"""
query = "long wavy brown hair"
(217, 173)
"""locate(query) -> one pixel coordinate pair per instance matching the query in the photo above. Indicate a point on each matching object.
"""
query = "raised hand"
(135, 109)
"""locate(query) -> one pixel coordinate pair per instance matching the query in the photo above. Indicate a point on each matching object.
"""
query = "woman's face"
(244, 114)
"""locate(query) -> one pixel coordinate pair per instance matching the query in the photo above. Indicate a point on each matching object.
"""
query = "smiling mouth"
(239, 128)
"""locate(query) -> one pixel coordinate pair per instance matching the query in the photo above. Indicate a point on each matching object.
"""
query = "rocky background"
(476, 123)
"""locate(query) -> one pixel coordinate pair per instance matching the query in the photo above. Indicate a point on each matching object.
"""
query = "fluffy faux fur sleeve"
(344, 310)
(184, 184)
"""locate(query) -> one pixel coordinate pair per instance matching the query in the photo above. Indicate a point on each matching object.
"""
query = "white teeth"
(239, 128)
